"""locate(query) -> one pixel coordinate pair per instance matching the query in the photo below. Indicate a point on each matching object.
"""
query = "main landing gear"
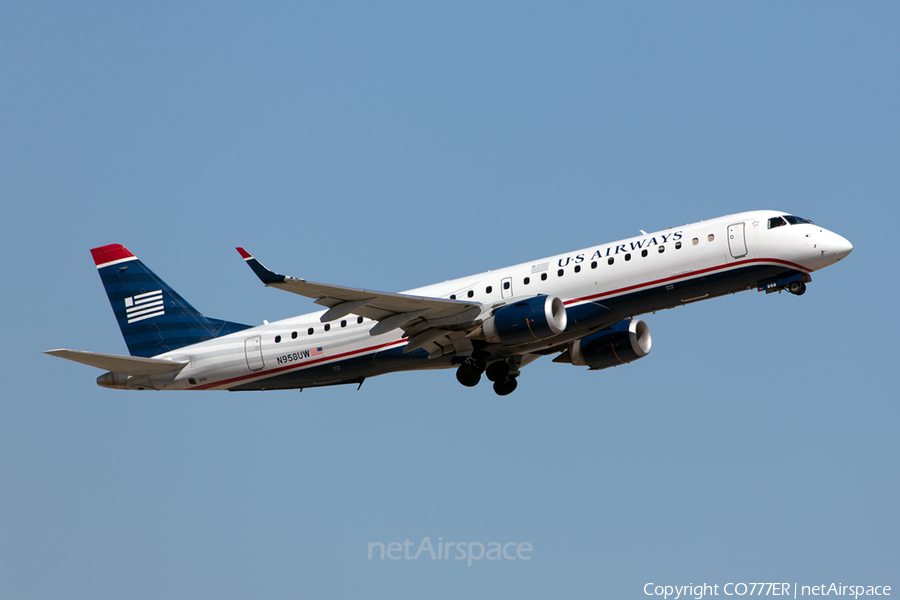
(500, 372)
(469, 373)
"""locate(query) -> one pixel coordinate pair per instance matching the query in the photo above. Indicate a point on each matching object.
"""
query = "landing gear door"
(253, 350)
(736, 242)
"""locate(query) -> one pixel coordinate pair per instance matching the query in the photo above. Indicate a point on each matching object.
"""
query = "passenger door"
(253, 352)
(736, 242)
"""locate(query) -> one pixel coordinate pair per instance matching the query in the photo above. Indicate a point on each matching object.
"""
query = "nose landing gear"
(795, 284)
(798, 288)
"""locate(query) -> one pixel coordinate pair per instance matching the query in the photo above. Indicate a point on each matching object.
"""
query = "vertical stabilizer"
(153, 317)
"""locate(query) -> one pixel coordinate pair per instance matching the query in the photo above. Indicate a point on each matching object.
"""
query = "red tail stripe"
(110, 253)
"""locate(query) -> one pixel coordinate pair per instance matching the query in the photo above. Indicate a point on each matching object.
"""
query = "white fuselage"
(633, 276)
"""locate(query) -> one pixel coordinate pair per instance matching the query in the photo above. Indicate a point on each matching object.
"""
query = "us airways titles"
(625, 248)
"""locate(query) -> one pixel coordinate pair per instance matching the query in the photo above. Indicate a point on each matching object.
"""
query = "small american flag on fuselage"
(316, 352)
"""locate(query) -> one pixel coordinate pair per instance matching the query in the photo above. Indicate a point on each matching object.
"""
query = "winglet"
(265, 275)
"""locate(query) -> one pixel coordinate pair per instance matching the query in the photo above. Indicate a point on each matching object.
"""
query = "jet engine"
(528, 320)
(624, 342)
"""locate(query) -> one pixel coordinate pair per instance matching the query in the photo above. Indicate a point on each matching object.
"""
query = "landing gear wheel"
(468, 375)
(498, 371)
(506, 387)
(798, 288)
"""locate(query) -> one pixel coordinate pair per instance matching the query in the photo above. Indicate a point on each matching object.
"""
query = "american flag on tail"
(144, 306)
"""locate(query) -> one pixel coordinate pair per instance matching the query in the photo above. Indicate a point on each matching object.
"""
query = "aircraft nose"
(842, 247)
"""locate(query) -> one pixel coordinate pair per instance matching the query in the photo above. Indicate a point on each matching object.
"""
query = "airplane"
(580, 306)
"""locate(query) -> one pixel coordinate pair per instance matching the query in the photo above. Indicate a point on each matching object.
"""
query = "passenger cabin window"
(543, 277)
(453, 296)
(277, 339)
(310, 331)
(343, 323)
(611, 260)
(710, 237)
(359, 320)
(628, 256)
(470, 294)
(678, 245)
(527, 280)
(505, 285)
(594, 264)
(560, 273)
(662, 249)
(643, 253)
(695, 241)
(327, 326)
(488, 290)
(293, 335)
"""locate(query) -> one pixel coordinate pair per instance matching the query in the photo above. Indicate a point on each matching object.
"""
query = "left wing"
(427, 321)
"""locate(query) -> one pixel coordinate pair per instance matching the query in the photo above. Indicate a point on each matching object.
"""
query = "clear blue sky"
(397, 145)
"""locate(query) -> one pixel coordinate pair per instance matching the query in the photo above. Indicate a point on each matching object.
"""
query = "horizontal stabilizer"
(126, 365)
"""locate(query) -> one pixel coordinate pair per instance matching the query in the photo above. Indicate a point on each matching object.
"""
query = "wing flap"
(126, 365)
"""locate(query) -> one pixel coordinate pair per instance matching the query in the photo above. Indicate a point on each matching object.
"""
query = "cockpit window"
(787, 220)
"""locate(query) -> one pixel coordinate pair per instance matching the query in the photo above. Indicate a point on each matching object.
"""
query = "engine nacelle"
(624, 342)
(530, 320)
(116, 381)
